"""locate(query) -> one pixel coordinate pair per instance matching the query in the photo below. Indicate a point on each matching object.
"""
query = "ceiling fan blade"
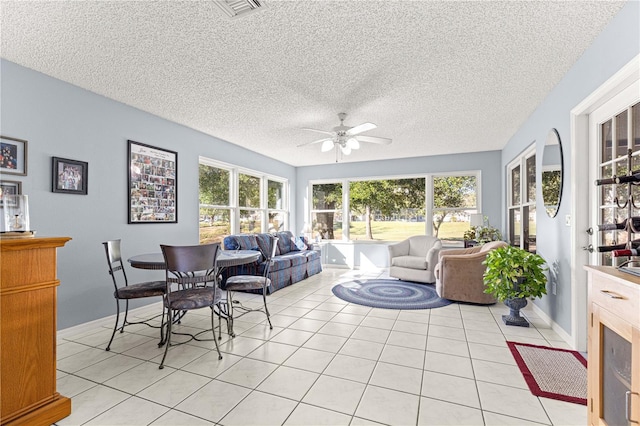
(361, 128)
(314, 142)
(374, 139)
(319, 131)
(327, 145)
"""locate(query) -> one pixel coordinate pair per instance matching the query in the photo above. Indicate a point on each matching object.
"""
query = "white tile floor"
(325, 362)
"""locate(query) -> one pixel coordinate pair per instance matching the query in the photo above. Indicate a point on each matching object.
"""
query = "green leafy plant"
(513, 273)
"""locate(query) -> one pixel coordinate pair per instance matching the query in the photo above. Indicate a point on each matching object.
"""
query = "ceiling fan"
(345, 138)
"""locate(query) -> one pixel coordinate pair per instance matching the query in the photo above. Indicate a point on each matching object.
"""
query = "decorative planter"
(514, 317)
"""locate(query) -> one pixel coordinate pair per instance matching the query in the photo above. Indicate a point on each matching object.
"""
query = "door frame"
(583, 158)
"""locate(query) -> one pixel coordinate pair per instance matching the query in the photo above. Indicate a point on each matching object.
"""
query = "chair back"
(190, 265)
(419, 245)
(114, 259)
(273, 247)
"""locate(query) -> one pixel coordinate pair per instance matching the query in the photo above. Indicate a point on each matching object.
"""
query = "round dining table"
(226, 258)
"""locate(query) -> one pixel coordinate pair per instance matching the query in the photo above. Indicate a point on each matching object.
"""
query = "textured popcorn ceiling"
(437, 77)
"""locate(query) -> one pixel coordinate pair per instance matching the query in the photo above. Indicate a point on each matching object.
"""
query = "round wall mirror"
(552, 173)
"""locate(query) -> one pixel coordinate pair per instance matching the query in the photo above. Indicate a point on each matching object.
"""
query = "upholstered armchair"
(459, 273)
(415, 258)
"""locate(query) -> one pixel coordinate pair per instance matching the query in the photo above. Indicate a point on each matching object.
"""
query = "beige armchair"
(415, 258)
(459, 274)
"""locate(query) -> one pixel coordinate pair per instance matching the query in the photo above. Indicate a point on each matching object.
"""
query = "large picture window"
(394, 209)
(233, 201)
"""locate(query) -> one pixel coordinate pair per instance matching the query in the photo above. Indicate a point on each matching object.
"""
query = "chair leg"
(115, 327)
(168, 342)
(162, 336)
(213, 330)
(266, 310)
(126, 314)
(230, 314)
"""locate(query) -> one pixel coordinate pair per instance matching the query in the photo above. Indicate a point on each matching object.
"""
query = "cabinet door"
(634, 396)
(613, 376)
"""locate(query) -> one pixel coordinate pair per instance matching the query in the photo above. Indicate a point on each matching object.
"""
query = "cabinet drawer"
(617, 298)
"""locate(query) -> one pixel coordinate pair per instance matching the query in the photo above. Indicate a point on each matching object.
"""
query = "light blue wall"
(612, 49)
(62, 120)
(487, 162)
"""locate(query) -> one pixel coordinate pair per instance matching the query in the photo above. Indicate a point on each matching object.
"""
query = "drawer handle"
(611, 294)
(627, 405)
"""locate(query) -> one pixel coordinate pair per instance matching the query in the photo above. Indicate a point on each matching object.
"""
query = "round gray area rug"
(390, 294)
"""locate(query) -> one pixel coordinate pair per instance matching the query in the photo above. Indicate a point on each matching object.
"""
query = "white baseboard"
(554, 326)
(100, 322)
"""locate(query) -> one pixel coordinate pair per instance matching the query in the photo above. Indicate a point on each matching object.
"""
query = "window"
(276, 205)
(239, 201)
(394, 209)
(619, 155)
(326, 211)
(454, 197)
(215, 204)
(391, 209)
(522, 201)
(249, 204)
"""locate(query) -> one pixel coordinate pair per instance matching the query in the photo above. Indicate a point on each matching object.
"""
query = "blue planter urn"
(514, 317)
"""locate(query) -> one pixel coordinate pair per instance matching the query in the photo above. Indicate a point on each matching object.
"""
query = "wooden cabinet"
(614, 347)
(28, 316)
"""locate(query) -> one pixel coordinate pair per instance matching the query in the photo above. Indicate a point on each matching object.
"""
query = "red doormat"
(552, 373)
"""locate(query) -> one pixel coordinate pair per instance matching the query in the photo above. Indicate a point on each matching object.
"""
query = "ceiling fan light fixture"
(346, 149)
(353, 143)
(327, 145)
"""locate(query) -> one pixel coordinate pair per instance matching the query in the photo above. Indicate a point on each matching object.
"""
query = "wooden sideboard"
(614, 347)
(28, 314)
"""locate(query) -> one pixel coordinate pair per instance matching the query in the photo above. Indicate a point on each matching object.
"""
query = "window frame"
(525, 204)
(429, 196)
(234, 186)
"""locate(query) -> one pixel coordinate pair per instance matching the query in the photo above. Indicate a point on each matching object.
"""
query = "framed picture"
(13, 156)
(153, 184)
(69, 176)
(9, 187)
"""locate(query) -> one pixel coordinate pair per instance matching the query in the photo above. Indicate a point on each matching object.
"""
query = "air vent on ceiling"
(237, 8)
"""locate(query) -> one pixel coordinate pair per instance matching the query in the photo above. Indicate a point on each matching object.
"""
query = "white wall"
(61, 120)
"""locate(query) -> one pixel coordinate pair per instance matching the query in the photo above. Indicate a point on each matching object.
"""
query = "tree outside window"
(215, 218)
(454, 199)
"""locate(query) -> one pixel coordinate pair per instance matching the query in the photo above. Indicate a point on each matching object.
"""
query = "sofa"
(415, 258)
(295, 258)
(459, 274)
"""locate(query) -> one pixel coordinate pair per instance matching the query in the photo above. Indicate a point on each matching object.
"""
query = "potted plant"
(512, 276)
(482, 234)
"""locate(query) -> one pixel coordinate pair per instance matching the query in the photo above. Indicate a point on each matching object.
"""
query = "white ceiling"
(436, 76)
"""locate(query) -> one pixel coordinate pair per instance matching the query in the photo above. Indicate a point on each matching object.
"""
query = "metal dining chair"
(125, 291)
(251, 282)
(191, 284)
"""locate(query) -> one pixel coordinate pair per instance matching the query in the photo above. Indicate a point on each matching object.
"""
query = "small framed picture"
(69, 176)
(9, 187)
(13, 156)
(153, 184)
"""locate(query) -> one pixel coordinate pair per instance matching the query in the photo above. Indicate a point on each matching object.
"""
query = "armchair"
(415, 258)
(459, 273)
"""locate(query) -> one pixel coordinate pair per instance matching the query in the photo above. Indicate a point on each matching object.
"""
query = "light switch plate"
(567, 220)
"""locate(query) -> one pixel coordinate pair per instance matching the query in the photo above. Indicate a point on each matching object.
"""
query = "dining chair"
(191, 283)
(251, 282)
(125, 291)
